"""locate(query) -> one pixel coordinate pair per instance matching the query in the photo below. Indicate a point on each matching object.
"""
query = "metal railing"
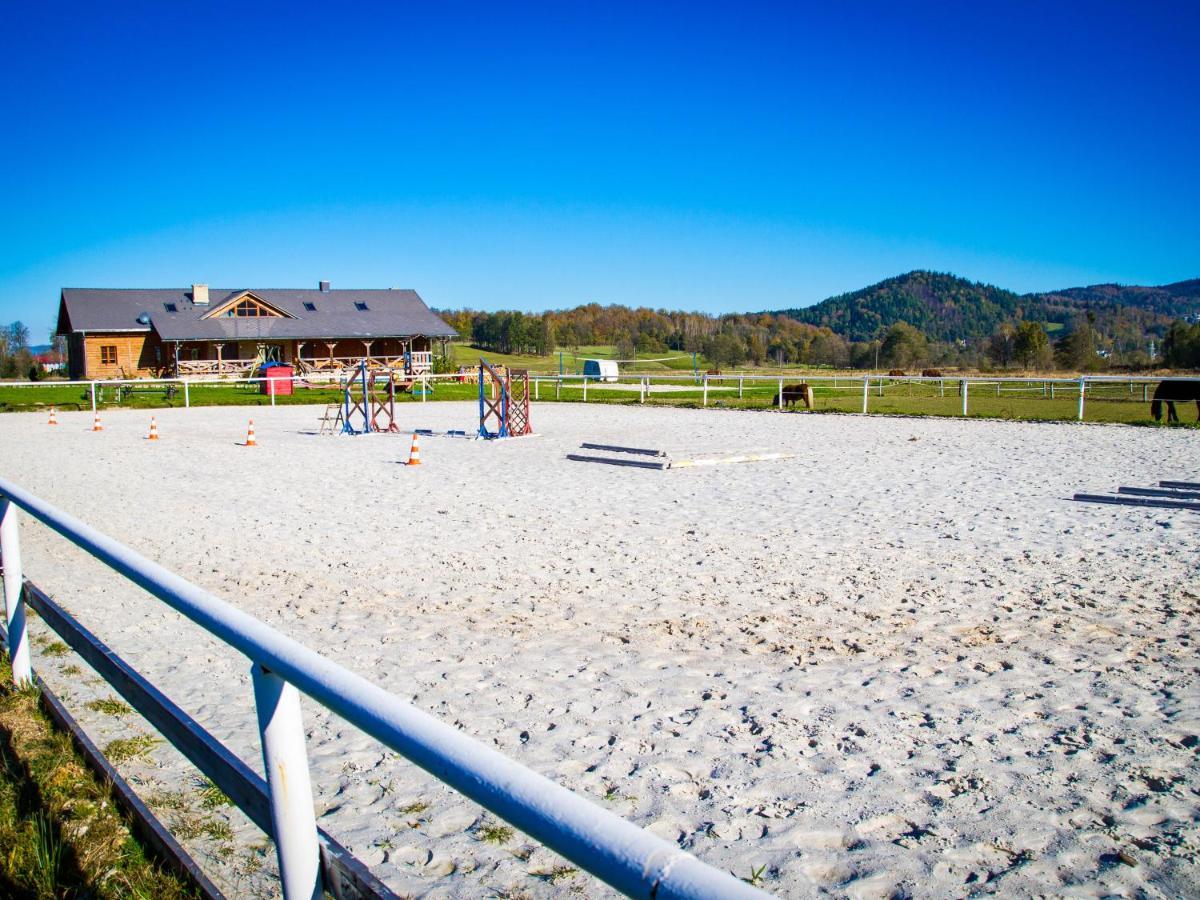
(629, 859)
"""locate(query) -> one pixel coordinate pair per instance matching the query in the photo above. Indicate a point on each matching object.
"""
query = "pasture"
(899, 662)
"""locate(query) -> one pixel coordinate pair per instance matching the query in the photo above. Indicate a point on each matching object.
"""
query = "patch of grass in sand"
(555, 874)
(110, 706)
(212, 797)
(56, 648)
(71, 671)
(124, 749)
(413, 809)
(60, 832)
(755, 879)
(495, 833)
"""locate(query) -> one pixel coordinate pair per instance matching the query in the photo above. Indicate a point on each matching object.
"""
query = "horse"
(794, 392)
(897, 373)
(1174, 391)
(931, 373)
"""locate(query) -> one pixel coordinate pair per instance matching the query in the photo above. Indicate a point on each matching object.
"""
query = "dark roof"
(389, 313)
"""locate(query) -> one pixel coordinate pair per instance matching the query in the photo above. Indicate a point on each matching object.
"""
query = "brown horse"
(931, 373)
(897, 373)
(792, 393)
(1174, 391)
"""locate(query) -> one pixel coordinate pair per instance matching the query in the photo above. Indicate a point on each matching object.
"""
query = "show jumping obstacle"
(503, 402)
(369, 401)
(662, 459)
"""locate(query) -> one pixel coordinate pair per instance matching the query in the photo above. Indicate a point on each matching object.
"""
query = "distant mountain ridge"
(949, 308)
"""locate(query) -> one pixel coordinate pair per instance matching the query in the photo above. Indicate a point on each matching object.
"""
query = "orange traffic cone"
(250, 442)
(414, 455)
(53, 417)
(153, 435)
(96, 426)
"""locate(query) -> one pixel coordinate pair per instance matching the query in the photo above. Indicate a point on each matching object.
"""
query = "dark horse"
(1171, 392)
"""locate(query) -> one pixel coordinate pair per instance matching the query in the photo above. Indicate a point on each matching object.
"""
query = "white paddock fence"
(1135, 388)
(629, 859)
(870, 384)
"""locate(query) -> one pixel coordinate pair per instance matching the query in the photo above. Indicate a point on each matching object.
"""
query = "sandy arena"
(901, 663)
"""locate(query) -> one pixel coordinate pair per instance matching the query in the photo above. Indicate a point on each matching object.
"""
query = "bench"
(125, 390)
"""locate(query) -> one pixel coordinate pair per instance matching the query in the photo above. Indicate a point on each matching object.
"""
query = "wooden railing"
(422, 362)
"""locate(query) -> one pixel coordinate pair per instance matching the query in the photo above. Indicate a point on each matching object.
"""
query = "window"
(311, 307)
(360, 306)
(248, 309)
(170, 307)
(108, 355)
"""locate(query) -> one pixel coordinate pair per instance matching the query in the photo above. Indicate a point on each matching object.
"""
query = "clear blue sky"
(718, 157)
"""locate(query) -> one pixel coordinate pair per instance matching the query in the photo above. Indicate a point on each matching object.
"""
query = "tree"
(725, 350)
(1077, 350)
(903, 346)
(1031, 346)
(1001, 346)
(1181, 346)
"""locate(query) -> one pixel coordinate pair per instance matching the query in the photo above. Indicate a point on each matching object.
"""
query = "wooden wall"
(136, 356)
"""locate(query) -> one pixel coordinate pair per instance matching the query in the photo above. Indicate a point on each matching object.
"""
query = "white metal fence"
(629, 859)
(682, 386)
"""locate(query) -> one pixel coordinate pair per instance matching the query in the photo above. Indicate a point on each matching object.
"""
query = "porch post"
(218, 347)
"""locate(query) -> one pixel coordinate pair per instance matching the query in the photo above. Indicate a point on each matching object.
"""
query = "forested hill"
(948, 308)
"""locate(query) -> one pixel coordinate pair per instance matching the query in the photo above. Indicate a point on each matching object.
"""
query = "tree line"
(1081, 344)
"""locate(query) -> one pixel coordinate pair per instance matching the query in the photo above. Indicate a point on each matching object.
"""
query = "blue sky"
(722, 157)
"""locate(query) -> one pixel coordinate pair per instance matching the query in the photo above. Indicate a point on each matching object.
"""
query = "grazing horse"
(1174, 391)
(897, 373)
(796, 392)
(931, 373)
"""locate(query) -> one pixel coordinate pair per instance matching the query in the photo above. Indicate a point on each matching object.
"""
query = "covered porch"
(333, 357)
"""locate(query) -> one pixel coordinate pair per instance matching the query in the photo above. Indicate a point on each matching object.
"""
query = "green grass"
(110, 706)
(60, 832)
(124, 749)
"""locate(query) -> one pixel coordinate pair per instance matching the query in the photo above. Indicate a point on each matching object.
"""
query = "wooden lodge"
(157, 333)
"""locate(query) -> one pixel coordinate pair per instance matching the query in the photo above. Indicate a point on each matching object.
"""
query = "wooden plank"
(723, 460)
(1156, 502)
(610, 461)
(1181, 485)
(615, 449)
(1159, 492)
(241, 784)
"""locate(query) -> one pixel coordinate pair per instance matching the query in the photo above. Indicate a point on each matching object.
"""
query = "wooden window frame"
(107, 350)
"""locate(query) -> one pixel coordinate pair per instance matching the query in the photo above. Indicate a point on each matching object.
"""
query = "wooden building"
(145, 333)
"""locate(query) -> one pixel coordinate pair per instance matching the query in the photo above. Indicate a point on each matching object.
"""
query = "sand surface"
(900, 663)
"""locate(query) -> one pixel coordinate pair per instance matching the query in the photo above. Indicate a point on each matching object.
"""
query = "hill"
(948, 308)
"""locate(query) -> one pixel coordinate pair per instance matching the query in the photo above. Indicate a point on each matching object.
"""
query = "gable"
(246, 305)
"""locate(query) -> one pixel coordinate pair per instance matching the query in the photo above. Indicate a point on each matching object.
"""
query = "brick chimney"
(200, 294)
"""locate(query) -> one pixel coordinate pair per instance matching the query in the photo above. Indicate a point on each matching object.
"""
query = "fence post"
(1082, 386)
(866, 390)
(585, 389)
(879, 385)
(537, 394)
(965, 386)
(93, 384)
(1145, 385)
(1052, 390)
(286, 764)
(642, 389)
(741, 384)
(557, 387)
(271, 391)
(704, 399)
(779, 397)
(424, 387)
(187, 399)
(14, 600)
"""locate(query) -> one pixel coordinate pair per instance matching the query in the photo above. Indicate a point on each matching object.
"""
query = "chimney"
(200, 294)
(324, 286)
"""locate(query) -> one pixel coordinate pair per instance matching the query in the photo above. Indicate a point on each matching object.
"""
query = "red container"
(279, 380)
